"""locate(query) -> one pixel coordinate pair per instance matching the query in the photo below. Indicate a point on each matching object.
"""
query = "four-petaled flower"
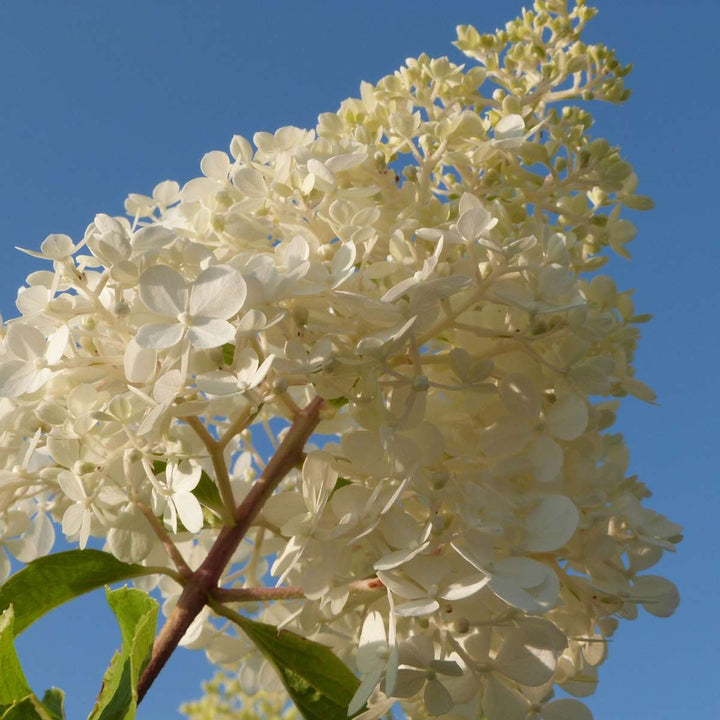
(173, 497)
(200, 309)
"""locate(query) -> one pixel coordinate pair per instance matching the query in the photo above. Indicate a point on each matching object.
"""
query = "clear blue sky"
(101, 99)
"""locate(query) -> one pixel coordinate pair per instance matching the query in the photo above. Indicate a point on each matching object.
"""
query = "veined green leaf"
(13, 685)
(136, 613)
(17, 701)
(29, 708)
(52, 580)
(54, 701)
(207, 494)
(318, 682)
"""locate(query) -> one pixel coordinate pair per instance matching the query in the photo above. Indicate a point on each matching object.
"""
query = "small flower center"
(184, 318)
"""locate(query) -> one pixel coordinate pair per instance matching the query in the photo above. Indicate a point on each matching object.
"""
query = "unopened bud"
(48, 473)
(410, 173)
(83, 467)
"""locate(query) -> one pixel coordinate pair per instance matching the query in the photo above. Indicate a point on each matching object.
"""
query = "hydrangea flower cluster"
(462, 530)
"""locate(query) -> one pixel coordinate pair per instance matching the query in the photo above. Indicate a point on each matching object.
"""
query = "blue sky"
(102, 99)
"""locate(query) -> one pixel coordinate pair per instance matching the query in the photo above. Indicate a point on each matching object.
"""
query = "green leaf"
(29, 708)
(52, 580)
(207, 494)
(13, 685)
(17, 701)
(319, 683)
(54, 701)
(136, 613)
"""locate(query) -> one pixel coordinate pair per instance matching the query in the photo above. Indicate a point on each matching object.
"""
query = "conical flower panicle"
(420, 261)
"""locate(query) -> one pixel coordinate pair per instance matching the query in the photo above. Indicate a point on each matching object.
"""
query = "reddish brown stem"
(285, 592)
(204, 580)
(172, 551)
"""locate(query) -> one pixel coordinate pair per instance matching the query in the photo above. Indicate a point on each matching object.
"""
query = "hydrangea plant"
(344, 401)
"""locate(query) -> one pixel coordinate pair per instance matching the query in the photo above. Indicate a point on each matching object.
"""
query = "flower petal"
(657, 595)
(373, 642)
(139, 363)
(546, 459)
(25, 342)
(209, 333)
(189, 510)
(215, 164)
(466, 587)
(159, 336)
(16, 377)
(521, 396)
(416, 608)
(57, 246)
(551, 524)
(365, 690)
(501, 703)
(474, 222)
(56, 344)
(218, 292)
(438, 700)
(566, 709)
(218, 382)
(185, 476)
(527, 665)
(567, 418)
(521, 571)
(72, 487)
(164, 291)
(509, 127)
(73, 519)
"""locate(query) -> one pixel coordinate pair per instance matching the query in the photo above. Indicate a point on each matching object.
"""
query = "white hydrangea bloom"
(462, 530)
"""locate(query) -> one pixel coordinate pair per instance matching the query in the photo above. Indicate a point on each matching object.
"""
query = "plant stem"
(288, 592)
(215, 450)
(239, 424)
(199, 587)
(172, 551)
